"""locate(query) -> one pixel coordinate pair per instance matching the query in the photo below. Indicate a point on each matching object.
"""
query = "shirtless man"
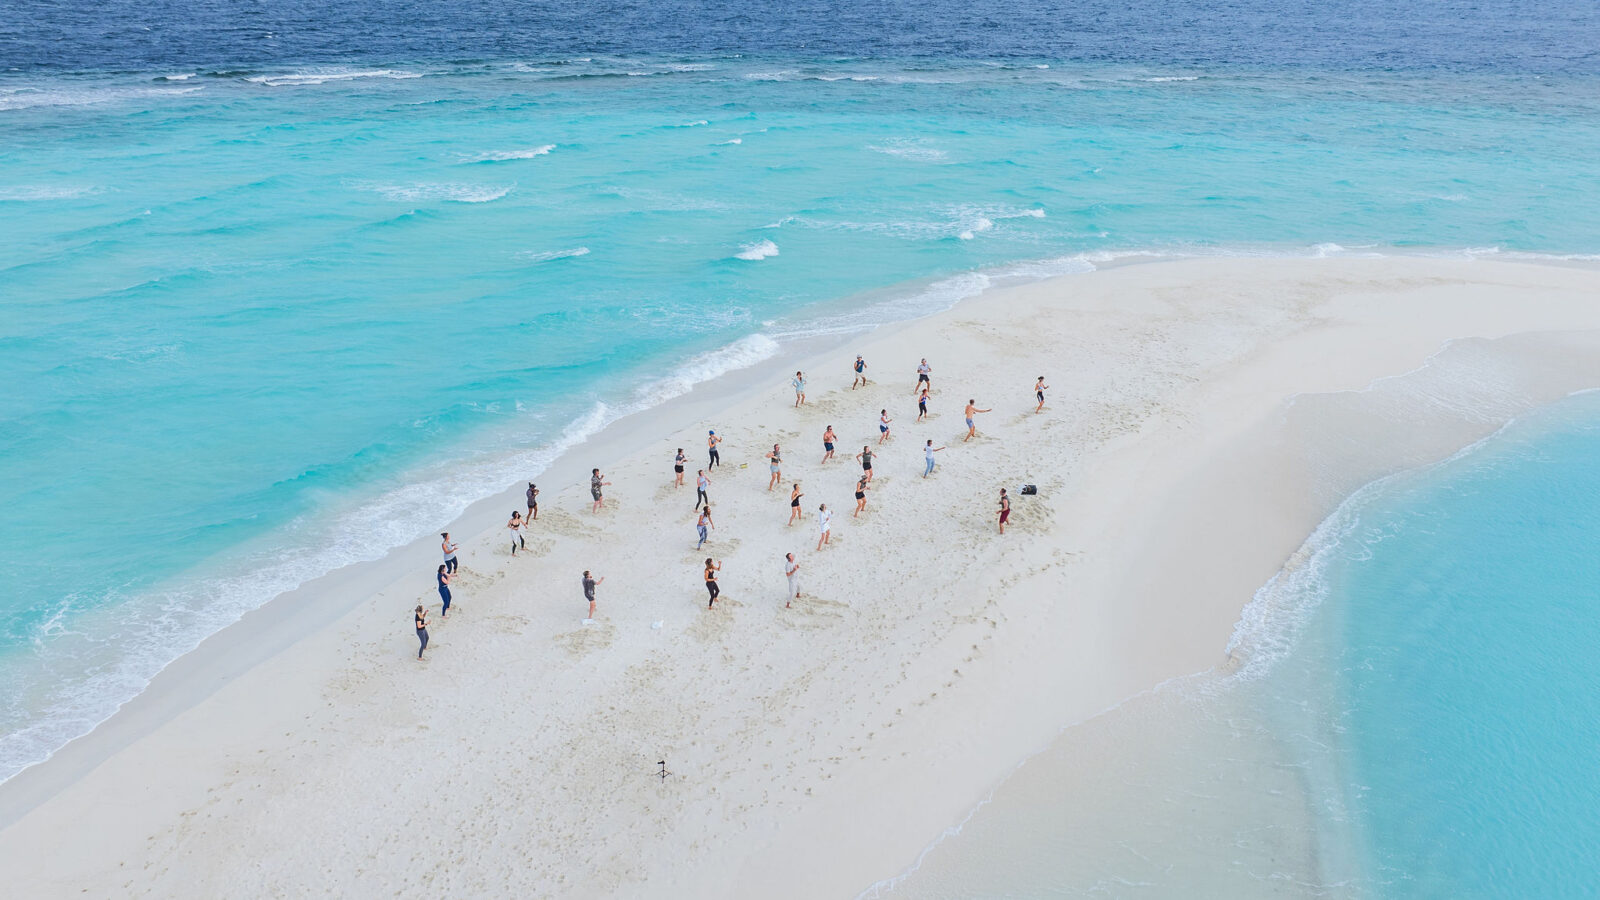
(1005, 510)
(972, 427)
(827, 444)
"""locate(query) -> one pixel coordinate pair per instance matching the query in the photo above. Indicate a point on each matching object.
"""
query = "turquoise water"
(264, 323)
(1463, 656)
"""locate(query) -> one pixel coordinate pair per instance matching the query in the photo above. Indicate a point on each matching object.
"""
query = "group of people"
(702, 507)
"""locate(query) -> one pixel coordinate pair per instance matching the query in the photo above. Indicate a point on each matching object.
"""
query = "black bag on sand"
(1029, 489)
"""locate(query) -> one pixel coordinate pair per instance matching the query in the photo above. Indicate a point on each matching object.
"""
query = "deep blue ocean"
(286, 285)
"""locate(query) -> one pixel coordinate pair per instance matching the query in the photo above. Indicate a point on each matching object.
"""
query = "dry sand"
(816, 750)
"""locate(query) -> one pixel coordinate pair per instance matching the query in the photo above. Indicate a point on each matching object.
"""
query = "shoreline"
(828, 324)
(1129, 449)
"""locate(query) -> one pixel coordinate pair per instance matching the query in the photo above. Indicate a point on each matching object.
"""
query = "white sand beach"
(817, 750)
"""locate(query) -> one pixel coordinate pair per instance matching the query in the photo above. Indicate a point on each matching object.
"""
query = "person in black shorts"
(533, 501)
(589, 584)
(677, 466)
(794, 505)
(866, 460)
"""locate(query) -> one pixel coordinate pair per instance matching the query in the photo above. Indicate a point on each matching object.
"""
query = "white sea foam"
(181, 77)
(757, 250)
(730, 141)
(909, 148)
(452, 192)
(978, 224)
(30, 97)
(505, 155)
(695, 124)
(1161, 78)
(548, 255)
(325, 75)
(741, 354)
(24, 193)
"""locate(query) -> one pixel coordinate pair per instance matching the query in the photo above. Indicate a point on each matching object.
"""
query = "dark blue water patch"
(229, 38)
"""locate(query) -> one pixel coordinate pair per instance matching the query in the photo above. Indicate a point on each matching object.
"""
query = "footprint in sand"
(587, 638)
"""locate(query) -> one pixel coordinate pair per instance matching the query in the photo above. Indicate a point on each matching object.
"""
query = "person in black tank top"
(422, 630)
(711, 582)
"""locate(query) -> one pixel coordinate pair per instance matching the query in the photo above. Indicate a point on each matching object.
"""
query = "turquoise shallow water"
(260, 324)
(1462, 645)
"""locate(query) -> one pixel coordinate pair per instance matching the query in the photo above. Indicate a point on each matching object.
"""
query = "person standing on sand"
(444, 592)
(824, 522)
(449, 548)
(711, 449)
(799, 388)
(589, 584)
(1039, 387)
(861, 496)
(596, 482)
(927, 452)
(774, 466)
(923, 372)
(794, 505)
(883, 425)
(791, 570)
(701, 482)
(972, 427)
(866, 460)
(677, 466)
(422, 630)
(827, 444)
(704, 523)
(922, 404)
(533, 501)
(711, 581)
(861, 373)
(1005, 509)
(515, 527)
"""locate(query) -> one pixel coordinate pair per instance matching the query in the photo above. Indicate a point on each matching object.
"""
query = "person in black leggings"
(444, 592)
(711, 581)
(711, 449)
(422, 630)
